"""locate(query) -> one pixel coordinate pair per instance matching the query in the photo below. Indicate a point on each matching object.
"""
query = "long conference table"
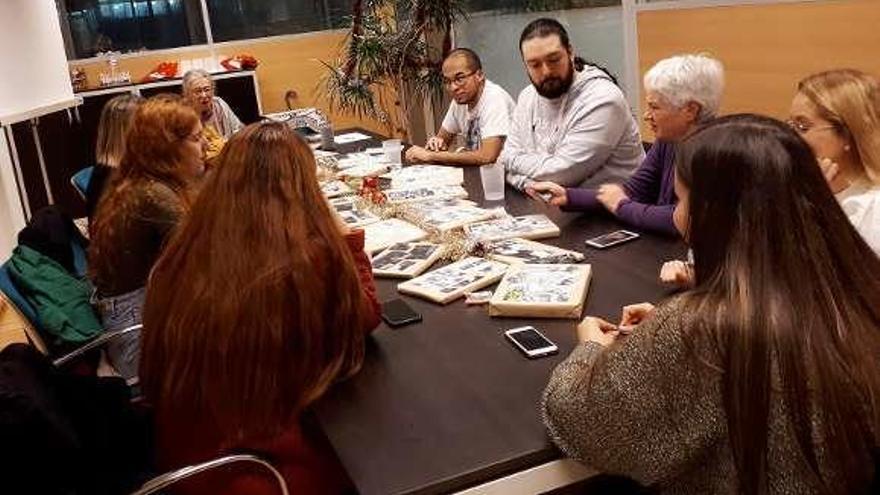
(448, 404)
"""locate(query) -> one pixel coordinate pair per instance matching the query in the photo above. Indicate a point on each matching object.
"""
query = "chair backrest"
(15, 297)
(167, 479)
(80, 180)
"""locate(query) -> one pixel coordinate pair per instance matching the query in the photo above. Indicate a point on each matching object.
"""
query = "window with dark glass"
(96, 26)
(244, 19)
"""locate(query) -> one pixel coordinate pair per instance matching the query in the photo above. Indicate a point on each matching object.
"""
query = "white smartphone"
(531, 342)
(612, 239)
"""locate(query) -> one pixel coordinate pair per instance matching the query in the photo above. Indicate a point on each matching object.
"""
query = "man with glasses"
(572, 125)
(480, 112)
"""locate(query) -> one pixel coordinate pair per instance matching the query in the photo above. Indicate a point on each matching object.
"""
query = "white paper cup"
(493, 181)
(393, 150)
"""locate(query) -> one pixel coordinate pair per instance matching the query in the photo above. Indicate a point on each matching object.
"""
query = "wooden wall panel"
(285, 63)
(766, 49)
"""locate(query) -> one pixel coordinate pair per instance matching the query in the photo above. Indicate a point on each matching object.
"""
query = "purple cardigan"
(650, 189)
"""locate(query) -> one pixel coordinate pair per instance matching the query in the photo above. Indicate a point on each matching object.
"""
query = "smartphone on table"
(531, 342)
(397, 312)
(612, 239)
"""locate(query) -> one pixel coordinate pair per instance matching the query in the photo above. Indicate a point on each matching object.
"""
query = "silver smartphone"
(531, 342)
(612, 239)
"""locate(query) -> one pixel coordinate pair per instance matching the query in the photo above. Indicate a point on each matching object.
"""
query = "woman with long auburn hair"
(147, 195)
(764, 377)
(260, 302)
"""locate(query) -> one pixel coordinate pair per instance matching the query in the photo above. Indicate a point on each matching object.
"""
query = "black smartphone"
(397, 312)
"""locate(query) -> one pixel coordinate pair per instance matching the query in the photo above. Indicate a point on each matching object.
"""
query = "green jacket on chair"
(61, 300)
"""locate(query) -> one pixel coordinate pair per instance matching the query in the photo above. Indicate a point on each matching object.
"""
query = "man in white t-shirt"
(480, 112)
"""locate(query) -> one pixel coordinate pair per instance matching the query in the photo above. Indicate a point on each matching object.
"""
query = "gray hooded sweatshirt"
(586, 137)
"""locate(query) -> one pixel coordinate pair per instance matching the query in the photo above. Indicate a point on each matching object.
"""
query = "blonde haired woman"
(838, 114)
(110, 144)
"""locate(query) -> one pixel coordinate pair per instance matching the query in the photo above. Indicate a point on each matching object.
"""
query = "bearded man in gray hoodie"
(573, 127)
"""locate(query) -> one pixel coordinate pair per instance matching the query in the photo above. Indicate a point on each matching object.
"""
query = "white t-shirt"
(861, 203)
(490, 117)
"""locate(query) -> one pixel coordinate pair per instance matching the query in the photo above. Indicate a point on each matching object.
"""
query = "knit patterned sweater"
(650, 407)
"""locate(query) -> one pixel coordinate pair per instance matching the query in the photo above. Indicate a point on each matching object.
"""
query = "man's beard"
(554, 87)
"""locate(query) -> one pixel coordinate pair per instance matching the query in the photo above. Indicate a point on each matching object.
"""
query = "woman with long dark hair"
(260, 302)
(763, 377)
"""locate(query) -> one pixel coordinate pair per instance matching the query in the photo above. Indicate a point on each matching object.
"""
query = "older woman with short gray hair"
(680, 92)
(198, 90)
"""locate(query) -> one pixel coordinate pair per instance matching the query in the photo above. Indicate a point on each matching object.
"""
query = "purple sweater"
(650, 189)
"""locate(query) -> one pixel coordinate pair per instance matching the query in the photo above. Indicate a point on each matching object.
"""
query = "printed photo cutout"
(526, 227)
(335, 188)
(447, 215)
(416, 176)
(406, 259)
(425, 194)
(383, 234)
(518, 250)
(451, 282)
(364, 170)
(351, 213)
(542, 291)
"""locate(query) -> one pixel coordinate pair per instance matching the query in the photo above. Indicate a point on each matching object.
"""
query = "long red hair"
(154, 151)
(254, 308)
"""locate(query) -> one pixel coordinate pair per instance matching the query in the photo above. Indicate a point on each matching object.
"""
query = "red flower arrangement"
(165, 70)
(240, 62)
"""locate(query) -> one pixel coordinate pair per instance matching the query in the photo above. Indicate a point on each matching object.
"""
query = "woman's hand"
(677, 274)
(548, 192)
(611, 195)
(593, 329)
(635, 314)
(829, 168)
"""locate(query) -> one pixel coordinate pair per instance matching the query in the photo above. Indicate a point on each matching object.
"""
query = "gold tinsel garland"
(371, 198)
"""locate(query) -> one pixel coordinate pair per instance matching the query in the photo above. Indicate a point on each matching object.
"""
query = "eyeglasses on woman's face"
(804, 127)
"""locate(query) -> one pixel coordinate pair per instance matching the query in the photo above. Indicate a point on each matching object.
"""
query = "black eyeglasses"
(458, 80)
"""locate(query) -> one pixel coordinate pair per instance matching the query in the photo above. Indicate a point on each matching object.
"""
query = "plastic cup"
(493, 181)
(393, 150)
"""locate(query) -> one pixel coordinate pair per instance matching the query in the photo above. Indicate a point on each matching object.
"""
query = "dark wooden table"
(448, 403)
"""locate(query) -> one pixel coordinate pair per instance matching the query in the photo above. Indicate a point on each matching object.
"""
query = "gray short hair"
(693, 77)
(194, 75)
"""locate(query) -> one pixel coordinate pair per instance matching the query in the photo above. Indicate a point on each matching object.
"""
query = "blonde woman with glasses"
(838, 114)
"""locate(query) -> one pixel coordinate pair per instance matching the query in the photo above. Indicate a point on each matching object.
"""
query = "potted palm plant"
(390, 63)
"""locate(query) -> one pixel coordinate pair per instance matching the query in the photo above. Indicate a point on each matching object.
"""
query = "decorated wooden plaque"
(382, 234)
(542, 291)
(352, 213)
(526, 227)
(406, 259)
(518, 250)
(452, 281)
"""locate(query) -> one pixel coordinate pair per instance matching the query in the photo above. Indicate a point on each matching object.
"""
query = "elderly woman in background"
(681, 92)
(218, 120)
